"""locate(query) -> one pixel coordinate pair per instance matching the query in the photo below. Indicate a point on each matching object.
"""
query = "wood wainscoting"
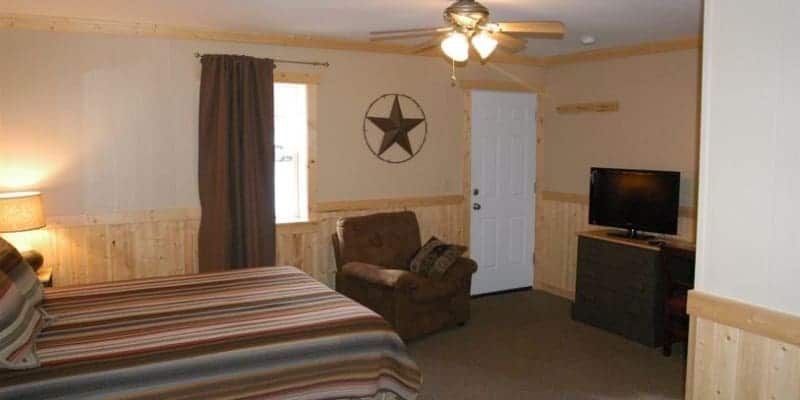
(559, 218)
(154, 243)
(741, 351)
(164, 242)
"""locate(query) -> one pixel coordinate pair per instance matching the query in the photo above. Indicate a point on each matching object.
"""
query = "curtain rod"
(277, 60)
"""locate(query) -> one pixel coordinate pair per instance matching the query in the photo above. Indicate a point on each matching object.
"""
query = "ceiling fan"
(468, 21)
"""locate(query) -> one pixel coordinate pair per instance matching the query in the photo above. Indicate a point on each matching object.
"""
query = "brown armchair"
(372, 257)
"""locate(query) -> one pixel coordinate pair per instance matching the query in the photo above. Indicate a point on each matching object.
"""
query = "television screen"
(636, 200)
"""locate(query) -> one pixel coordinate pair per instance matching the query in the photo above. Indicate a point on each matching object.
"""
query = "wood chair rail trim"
(386, 204)
(749, 317)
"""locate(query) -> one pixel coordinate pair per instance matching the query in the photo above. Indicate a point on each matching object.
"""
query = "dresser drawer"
(599, 315)
(612, 255)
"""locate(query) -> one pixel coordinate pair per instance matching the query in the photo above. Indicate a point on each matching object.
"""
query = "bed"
(262, 333)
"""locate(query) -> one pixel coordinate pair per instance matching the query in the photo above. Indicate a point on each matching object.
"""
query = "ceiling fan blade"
(553, 29)
(509, 42)
(416, 30)
(402, 36)
(408, 33)
(428, 44)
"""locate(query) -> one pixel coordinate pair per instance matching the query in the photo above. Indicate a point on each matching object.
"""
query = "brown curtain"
(236, 157)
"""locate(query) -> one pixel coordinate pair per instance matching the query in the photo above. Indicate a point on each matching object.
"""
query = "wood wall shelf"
(596, 107)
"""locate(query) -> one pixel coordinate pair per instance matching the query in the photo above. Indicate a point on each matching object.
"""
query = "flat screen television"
(635, 200)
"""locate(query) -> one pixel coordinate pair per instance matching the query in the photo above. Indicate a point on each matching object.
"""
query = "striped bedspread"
(263, 333)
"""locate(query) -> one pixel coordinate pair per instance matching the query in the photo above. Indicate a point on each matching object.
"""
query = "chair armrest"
(461, 270)
(393, 278)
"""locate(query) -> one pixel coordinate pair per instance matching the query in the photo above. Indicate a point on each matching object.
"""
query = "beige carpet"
(524, 345)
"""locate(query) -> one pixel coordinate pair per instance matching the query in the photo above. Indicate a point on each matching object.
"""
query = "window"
(291, 152)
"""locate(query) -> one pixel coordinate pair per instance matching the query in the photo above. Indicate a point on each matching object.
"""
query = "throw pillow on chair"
(434, 258)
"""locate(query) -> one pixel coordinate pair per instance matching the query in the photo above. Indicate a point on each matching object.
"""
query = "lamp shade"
(484, 44)
(456, 47)
(21, 211)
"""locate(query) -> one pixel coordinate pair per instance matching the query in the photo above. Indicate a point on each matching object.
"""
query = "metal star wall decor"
(382, 133)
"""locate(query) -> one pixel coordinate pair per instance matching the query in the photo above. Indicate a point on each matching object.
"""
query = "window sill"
(296, 226)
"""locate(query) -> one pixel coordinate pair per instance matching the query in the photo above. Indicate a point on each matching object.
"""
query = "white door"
(503, 181)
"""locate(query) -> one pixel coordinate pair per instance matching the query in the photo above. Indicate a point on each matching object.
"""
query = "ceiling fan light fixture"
(468, 28)
(456, 46)
(484, 44)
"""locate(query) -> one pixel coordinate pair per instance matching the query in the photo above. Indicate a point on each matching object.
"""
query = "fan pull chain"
(453, 78)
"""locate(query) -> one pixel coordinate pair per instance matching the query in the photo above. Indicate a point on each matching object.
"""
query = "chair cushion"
(419, 288)
(387, 239)
(378, 275)
(435, 258)
(20, 318)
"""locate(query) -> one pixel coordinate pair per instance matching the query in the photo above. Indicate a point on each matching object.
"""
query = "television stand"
(631, 234)
(620, 286)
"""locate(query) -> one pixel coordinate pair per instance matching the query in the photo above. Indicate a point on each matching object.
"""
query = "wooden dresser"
(619, 287)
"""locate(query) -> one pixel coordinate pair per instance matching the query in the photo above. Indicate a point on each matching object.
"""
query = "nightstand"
(45, 274)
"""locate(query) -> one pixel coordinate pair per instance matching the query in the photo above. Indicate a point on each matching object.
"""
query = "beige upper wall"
(106, 123)
(750, 187)
(656, 127)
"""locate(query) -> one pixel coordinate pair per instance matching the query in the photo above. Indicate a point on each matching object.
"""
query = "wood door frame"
(502, 86)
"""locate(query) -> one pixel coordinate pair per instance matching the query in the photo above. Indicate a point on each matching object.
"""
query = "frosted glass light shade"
(456, 47)
(484, 44)
(21, 211)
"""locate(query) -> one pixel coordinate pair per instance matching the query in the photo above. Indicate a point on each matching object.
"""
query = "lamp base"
(33, 258)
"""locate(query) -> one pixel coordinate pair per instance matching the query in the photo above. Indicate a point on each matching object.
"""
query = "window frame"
(311, 81)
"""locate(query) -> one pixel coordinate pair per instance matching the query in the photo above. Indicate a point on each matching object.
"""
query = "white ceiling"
(613, 22)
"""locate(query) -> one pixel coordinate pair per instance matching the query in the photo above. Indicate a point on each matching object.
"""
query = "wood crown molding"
(88, 25)
(683, 211)
(752, 318)
(387, 204)
(641, 49)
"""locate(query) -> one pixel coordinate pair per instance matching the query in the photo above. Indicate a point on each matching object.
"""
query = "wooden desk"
(677, 268)
(620, 287)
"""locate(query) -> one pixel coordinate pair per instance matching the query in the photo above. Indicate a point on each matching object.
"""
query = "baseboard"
(522, 289)
(544, 287)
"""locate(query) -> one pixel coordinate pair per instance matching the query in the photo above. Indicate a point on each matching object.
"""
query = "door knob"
(476, 206)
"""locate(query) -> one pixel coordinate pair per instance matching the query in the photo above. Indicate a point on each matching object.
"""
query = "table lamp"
(21, 212)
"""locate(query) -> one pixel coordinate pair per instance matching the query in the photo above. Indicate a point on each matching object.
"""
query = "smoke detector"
(588, 40)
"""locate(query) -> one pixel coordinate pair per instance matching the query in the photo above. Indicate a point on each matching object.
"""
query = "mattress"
(261, 333)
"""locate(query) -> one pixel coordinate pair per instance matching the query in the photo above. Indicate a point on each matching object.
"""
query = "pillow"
(434, 258)
(21, 274)
(20, 318)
